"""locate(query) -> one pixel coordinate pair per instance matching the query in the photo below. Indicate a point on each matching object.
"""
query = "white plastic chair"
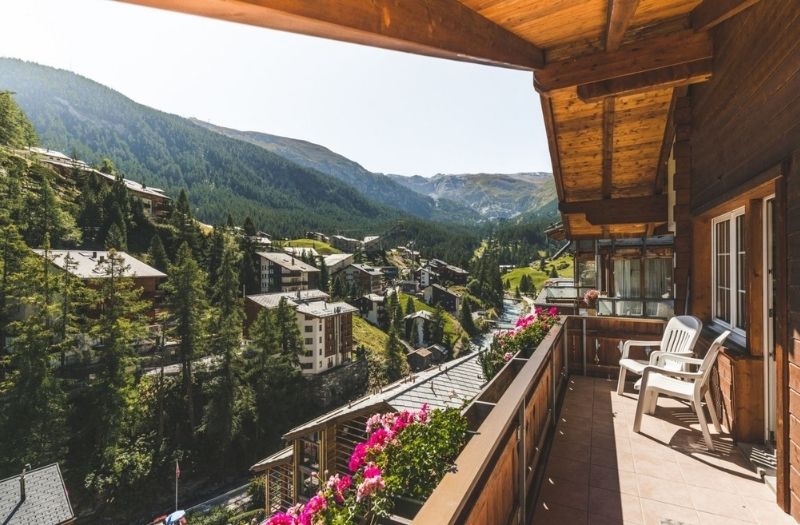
(689, 386)
(679, 338)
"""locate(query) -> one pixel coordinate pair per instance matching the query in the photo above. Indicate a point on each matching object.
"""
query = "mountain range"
(284, 184)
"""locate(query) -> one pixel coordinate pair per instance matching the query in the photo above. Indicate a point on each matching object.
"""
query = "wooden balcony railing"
(512, 419)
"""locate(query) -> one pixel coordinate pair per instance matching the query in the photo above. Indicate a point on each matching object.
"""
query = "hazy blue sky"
(392, 112)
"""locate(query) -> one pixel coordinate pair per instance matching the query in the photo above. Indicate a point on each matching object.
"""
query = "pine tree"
(437, 326)
(290, 341)
(120, 323)
(250, 272)
(249, 227)
(324, 278)
(265, 335)
(553, 272)
(33, 406)
(158, 255)
(337, 288)
(408, 326)
(398, 323)
(396, 362)
(216, 251)
(16, 130)
(228, 404)
(116, 238)
(188, 315)
(47, 216)
(465, 318)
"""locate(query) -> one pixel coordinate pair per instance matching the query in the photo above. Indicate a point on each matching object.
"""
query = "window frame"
(733, 270)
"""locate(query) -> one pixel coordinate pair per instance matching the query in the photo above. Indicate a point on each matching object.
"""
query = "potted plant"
(590, 298)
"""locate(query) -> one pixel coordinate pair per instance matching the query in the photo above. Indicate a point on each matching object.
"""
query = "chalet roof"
(367, 269)
(84, 263)
(280, 457)
(444, 289)
(46, 501)
(325, 309)
(374, 298)
(422, 352)
(420, 314)
(287, 261)
(370, 238)
(336, 258)
(272, 300)
(448, 385)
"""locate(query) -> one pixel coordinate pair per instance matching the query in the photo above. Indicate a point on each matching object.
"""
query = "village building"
(366, 279)
(346, 244)
(337, 262)
(446, 273)
(373, 309)
(300, 251)
(37, 496)
(281, 272)
(326, 328)
(436, 294)
(317, 236)
(154, 201)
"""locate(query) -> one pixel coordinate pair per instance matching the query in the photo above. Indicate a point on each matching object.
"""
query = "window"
(627, 277)
(658, 278)
(728, 267)
(309, 341)
(309, 328)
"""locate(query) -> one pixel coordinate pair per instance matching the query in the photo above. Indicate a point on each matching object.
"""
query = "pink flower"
(281, 518)
(553, 310)
(378, 439)
(344, 483)
(316, 504)
(373, 481)
(508, 356)
(422, 415)
(357, 458)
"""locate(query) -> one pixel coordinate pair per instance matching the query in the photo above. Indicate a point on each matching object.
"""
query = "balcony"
(554, 446)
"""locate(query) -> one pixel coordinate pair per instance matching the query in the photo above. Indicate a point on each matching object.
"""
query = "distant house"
(87, 265)
(419, 359)
(155, 202)
(438, 294)
(419, 327)
(390, 272)
(371, 244)
(408, 253)
(261, 240)
(338, 261)
(326, 328)
(37, 497)
(445, 273)
(299, 251)
(365, 278)
(411, 287)
(317, 236)
(372, 307)
(281, 272)
(346, 244)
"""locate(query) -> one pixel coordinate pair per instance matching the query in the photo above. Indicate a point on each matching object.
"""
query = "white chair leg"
(641, 406)
(713, 412)
(701, 417)
(621, 381)
(652, 402)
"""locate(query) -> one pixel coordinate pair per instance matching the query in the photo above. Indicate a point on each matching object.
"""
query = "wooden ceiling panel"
(651, 11)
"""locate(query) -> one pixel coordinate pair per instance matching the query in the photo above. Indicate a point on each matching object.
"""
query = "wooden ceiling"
(608, 72)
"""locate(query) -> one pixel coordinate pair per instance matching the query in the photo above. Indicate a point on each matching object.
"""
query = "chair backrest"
(708, 361)
(681, 334)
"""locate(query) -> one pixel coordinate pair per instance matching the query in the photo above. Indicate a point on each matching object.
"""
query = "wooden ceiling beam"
(629, 210)
(666, 147)
(619, 17)
(655, 53)
(672, 76)
(712, 12)
(440, 28)
(608, 145)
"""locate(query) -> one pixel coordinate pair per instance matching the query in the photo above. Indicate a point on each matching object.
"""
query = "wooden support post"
(681, 211)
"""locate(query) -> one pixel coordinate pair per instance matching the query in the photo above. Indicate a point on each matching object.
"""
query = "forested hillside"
(376, 186)
(83, 118)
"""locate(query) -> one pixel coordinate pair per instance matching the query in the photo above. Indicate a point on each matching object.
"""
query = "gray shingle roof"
(450, 385)
(47, 501)
(84, 263)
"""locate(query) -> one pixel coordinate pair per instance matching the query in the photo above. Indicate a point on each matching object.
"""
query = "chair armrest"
(686, 358)
(655, 354)
(626, 346)
(672, 373)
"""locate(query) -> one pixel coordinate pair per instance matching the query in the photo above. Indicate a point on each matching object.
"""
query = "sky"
(392, 112)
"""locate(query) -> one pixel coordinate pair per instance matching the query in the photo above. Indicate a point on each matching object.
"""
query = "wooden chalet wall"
(745, 141)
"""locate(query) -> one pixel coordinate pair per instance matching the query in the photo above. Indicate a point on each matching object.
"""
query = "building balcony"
(553, 443)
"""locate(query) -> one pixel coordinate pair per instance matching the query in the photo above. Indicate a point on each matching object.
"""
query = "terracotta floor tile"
(559, 491)
(615, 505)
(568, 469)
(658, 513)
(658, 468)
(613, 480)
(719, 503)
(673, 492)
(700, 475)
(559, 515)
(714, 519)
(618, 460)
(767, 512)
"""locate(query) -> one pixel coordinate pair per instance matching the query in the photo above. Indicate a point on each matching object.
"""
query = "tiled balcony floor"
(601, 472)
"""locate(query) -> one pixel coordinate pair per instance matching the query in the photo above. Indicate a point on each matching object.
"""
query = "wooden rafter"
(555, 159)
(672, 76)
(440, 28)
(608, 145)
(629, 210)
(655, 53)
(712, 12)
(666, 147)
(620, 14)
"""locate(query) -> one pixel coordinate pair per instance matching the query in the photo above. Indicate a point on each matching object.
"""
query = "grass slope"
(539, 277)
(322, 248)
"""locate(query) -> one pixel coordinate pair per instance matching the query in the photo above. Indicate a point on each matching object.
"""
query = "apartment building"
(283, 272)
